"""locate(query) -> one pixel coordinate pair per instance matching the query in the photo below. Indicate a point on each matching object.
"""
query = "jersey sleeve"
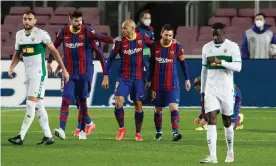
(204, 58)
(17, 46)
(236, 53)
(92, 34)
(180, 51)
(46, 39)
(181, 58)
(115, 50)
(235, 65)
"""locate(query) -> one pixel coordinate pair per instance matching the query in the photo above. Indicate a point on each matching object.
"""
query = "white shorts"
(223, 102)
(35, 86)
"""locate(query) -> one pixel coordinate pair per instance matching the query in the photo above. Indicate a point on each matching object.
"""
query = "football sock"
(88, 120)
(83, 113)
(43, 118)
(28, 119)
(139, 116)
(212, 140)
(175, 120)
(229, 137)
(119, 114)
(158, 121)
(64, 111)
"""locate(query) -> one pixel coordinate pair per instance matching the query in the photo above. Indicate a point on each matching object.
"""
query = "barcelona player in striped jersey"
(237, 118)
(163, 79)
(77, 39)
(130, 79)
(90, 125)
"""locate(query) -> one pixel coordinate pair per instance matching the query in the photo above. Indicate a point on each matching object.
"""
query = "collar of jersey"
(72, 31)
(28, 32)
(166, 45)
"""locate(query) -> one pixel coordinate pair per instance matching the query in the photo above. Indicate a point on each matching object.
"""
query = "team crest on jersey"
(81, 37)
(253, 39)
(225, 50)
(172, 52)
(139, 41)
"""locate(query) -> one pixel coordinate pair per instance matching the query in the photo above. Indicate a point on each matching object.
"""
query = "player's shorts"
(134, 87)
(76, 87)
(237, 107)
(35, 86)
(164, 98)
(223, 102)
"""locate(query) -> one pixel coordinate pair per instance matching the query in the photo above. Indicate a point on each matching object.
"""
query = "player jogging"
(130, 80)
(32, 42)
(220, 58)
(237, 118)
(77, 39)
(164, 79)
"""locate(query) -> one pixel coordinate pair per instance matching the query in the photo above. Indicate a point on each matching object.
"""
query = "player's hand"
(197, 121)
(215, 61)
(56, 72)
(203, 122)
(105, 83)
(10, 73)
(148, 84)
(65, 76)
(188, 85)
(117, 39)
(49, 68)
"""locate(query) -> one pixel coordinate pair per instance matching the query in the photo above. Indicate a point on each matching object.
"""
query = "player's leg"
(158, 100)
(212, 106)
(137, 95)
(122, 89)
(67, 94)
(172, 98)
(227, 101)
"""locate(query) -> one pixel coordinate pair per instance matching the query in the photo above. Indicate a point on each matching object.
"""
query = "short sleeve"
(180, 50)
(17, 46)
(46, 39)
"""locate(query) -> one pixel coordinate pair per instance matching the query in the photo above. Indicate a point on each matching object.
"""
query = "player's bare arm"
(57, 56)
(15, 60)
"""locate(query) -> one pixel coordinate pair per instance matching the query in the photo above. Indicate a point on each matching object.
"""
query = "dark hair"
(75, 14)
(260, 14)
(197, 81)
(167, 27)
(218, 25)
(143, 13)
(29, 12)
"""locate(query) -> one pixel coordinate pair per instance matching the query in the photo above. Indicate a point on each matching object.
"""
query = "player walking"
(165, 55)
(32, 42)
(220, 58)
(130, 80)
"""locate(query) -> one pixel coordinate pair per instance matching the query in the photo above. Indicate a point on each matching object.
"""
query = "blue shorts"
(135, 88)
(164, 98)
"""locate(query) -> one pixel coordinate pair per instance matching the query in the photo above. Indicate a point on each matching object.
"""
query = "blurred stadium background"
(190, 19)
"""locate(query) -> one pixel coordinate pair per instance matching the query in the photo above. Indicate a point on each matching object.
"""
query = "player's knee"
(226, 121)
(138, 106)
(158, 109)
(118, 104)
(212, 118)
(173, 107)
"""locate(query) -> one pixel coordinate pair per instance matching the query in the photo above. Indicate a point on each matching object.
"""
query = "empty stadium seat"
(8, 28)
(5, 36)
(92, 21)
(223, 20)
(13, 19)
(270, 21)
(273, 29)
(205, 37)
(10, 43)
(19, 10)
(64, 10)
(226, 12)
(42, 20)
(45, 11)
(187, 30)
(242, 21)
(205, 29)
(104, 29)
(235, 29)
(233, 37)
(59, 20)
(7, 52)
(196, 51)
(247, 12)
(269, 12)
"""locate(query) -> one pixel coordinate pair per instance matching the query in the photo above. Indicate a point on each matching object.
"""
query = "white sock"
(212, 140)
(43, 119)
(28, 119)
(229, 137)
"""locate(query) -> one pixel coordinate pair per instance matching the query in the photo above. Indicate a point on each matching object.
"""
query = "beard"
(78, 27)
(28, 27)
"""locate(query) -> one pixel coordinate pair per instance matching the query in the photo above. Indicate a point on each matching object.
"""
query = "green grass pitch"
(254, 145)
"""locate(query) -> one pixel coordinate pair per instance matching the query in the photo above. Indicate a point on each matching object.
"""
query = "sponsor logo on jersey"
(134, 51)
(163, 60)
(73, 45)
(28, 50)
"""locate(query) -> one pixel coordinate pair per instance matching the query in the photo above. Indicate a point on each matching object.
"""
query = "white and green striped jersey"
(33, 46)
(219, 77)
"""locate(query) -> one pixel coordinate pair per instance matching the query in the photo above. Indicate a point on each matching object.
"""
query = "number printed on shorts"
(62, 85)
(116, 85)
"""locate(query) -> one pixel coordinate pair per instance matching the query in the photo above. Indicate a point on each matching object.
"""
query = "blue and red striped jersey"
(78, 48)
(131, 56)
(163, 67)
